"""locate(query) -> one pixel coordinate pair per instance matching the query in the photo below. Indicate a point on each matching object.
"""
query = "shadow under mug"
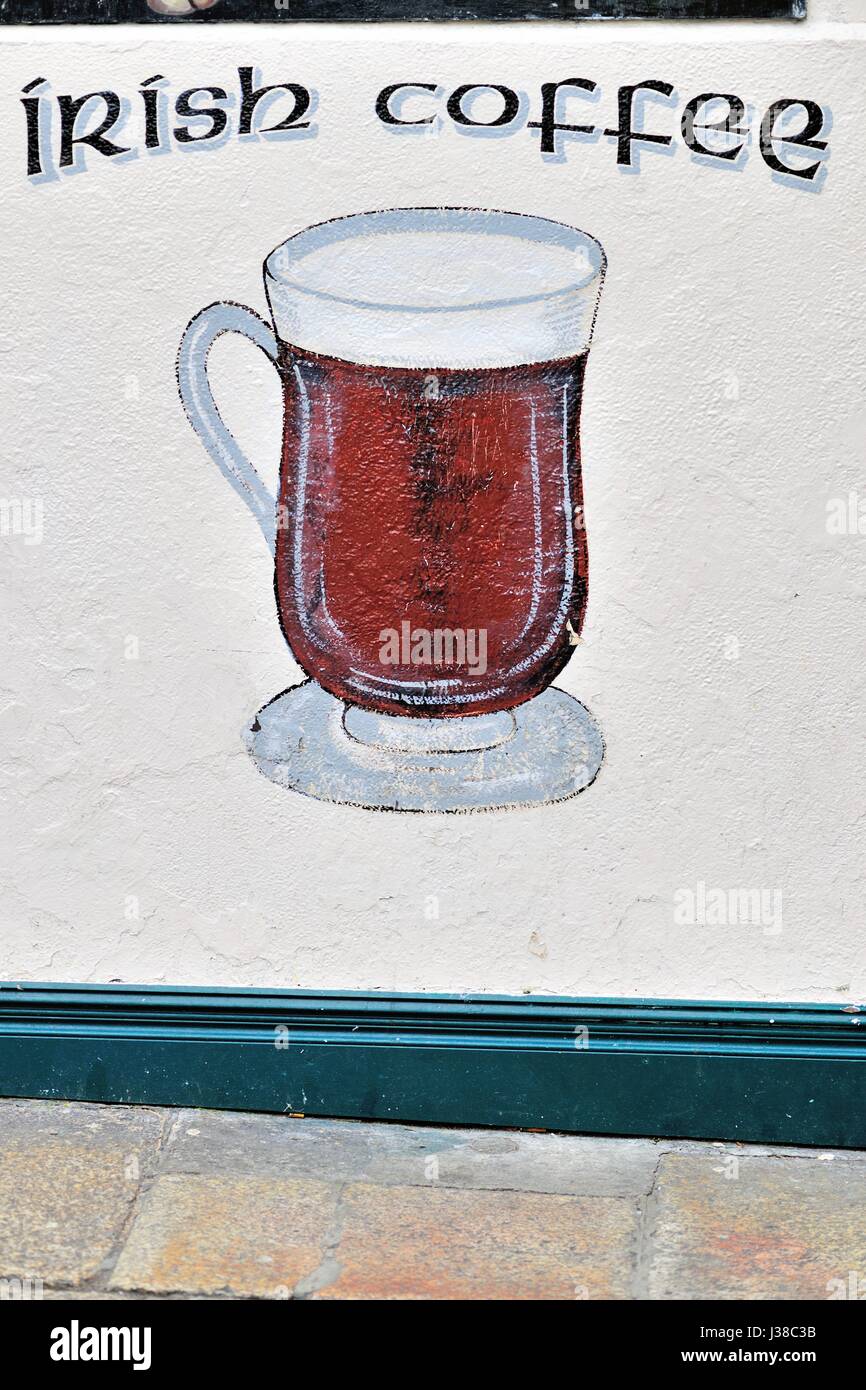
(429, 541)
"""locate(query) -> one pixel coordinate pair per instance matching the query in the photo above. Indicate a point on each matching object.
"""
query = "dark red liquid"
(449, 501)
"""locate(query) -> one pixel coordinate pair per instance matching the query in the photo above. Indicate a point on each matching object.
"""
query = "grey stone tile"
(443, 1243)
(344, 1150)
(252, 1236)
(69, 1174)
(764, 1227)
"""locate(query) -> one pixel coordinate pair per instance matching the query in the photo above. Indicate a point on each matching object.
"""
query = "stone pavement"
(111, 1202)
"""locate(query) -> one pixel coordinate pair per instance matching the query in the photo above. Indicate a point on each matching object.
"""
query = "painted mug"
(429, 541)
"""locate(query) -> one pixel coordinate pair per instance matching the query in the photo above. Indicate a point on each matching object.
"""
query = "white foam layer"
(437, 287)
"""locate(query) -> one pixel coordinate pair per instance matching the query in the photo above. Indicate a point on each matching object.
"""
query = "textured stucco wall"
(724, 640)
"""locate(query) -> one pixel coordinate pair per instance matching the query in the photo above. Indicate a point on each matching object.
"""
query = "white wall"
(723, 410)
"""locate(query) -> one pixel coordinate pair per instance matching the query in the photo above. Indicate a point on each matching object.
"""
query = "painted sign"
(66, 131)
(547, 424)
(431, 561)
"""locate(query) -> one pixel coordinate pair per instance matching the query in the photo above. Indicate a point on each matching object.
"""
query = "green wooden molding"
(785, 1073)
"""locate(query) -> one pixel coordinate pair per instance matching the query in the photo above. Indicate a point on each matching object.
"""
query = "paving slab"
(128, 1296)
(733, 1225)
(406, 1155)
(69, 1175)
(111, 1202)
(251, 1237)
(415, 1243)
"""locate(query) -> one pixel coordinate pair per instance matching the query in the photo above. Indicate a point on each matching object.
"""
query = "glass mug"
(430, 551)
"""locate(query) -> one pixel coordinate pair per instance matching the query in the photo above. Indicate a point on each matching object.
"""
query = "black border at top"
(371, 11)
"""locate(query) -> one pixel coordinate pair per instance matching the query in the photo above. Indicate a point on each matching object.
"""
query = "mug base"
(308, 741)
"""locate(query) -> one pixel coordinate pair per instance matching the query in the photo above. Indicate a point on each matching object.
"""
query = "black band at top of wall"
(368, 11)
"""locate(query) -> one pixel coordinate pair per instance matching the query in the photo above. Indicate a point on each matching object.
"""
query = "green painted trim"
(786, 1073)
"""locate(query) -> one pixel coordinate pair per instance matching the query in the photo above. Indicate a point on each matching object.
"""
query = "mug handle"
(201, 408)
